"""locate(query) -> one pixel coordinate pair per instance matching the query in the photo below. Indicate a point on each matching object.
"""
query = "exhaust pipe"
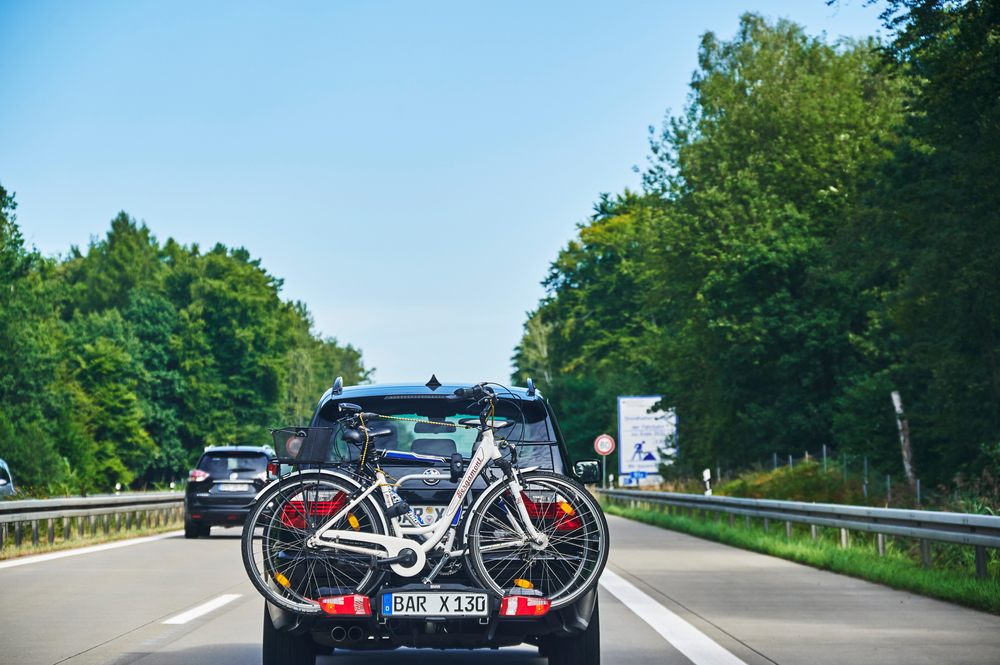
(338, 634)
(355, 633)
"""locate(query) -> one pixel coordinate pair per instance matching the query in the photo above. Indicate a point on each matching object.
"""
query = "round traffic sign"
(604, 445)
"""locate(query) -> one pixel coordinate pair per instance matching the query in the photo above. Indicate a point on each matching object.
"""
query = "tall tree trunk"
(904, 440)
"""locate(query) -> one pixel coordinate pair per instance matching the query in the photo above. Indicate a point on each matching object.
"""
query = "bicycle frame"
(433, 534)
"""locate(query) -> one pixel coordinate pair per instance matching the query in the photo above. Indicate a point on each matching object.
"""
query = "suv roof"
(376, 389)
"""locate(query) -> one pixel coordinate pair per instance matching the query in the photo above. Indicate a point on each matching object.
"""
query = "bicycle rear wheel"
(570, 563)
(283, 567)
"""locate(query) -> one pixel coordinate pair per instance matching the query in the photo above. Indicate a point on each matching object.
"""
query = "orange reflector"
(282, 580)
(524, 584)
(354, 521)
(566, 508)
(524, 606)
(354, 605)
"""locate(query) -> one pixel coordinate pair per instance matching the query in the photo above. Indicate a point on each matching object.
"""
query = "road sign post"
(604, 445)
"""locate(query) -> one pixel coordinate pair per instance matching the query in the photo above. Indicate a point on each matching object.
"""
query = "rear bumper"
(384, 633)
(233, 515)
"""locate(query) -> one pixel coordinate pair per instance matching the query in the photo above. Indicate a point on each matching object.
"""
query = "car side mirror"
(2, 482)
(588, 471)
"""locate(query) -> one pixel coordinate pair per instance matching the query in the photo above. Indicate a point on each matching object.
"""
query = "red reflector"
(564, 515)
(354, 605)
(196, 517)
(524, 606)
(294, 513)
(272, 468)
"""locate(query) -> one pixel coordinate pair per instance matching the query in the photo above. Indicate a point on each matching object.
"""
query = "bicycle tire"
(284, 516)
(572, 561)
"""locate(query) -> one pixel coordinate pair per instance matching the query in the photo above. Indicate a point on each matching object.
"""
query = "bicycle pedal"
(406, 558)
(397, 509)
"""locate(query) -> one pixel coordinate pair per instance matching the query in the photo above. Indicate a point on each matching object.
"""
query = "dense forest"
(819, 228)
(121, 363)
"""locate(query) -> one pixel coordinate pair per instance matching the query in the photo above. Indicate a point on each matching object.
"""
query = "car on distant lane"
(222, 487)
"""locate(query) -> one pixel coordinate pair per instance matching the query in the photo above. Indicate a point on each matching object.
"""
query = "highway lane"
(110, 607)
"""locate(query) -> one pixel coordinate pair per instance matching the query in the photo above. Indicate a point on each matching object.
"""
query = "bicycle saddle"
(358, 435)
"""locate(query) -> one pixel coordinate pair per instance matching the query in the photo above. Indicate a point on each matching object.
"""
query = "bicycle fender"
(341, 476)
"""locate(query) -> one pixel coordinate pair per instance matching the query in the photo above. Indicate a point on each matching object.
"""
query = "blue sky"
(409, 169)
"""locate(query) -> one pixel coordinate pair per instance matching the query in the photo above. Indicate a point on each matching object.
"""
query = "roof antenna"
(531, 388)
(338, 386)
(433, 384)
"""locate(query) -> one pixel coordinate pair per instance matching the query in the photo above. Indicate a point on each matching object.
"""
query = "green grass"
(897, 569)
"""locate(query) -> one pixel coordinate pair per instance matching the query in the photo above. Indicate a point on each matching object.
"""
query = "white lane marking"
(687, 639)
(213, 604)
(39, 558)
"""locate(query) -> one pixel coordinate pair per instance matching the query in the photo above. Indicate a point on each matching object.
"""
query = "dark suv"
(222, 487)
(570, 634)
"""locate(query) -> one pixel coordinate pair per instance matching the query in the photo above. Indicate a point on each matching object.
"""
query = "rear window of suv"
(438, 434)
(222, 463)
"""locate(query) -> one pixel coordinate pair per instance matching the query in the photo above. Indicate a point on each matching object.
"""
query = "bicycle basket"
(309, 445)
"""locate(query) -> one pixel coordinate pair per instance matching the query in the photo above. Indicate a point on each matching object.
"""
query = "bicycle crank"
(404, 556)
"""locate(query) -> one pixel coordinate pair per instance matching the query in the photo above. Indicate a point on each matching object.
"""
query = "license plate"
(428, 514)
(233, 487)
(434, 604)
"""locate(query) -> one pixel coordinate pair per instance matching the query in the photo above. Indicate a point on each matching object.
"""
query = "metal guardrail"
(979, 531)
(144, 506)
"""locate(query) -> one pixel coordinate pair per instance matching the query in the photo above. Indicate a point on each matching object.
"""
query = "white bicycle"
(337, 528)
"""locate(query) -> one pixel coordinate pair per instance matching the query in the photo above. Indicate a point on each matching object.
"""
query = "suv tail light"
(524, 606)
(353, 605)
(560, 511)
(294, 513)
(197, 475)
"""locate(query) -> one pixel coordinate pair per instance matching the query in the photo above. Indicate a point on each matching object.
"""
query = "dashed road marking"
(213, 604)
(687, 639)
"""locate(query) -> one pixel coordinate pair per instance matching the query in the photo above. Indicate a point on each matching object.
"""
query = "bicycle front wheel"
(280, 563)
(569, 564)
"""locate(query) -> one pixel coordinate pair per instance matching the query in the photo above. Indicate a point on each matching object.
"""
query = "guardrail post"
(732, 519)
(82, 527)
(34, 533)
(981, 571)
(3, 534)
(52, 530)
(788, 530)
(17, 534)
(925, 552)
(104, 518)
(748, 520)
(92, 524)
(67, 534)
(118, 522)
(814, 531)
(845, 538)
(880, 541)
(767, 525)
(718, 516)
(128, 520)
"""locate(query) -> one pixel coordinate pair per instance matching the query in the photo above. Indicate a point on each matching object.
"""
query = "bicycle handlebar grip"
(365, 415)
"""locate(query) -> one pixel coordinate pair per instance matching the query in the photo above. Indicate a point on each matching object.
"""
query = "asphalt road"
(672, 599)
